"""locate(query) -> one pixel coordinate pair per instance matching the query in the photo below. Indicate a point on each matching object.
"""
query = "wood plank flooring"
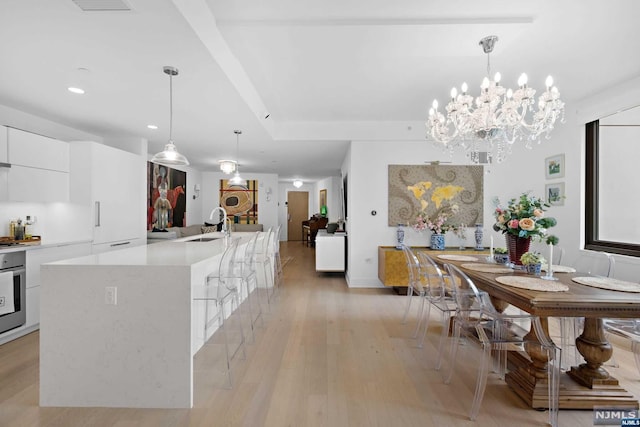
(326, 356)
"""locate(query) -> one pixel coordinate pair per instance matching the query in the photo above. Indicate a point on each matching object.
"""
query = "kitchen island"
(120, 329)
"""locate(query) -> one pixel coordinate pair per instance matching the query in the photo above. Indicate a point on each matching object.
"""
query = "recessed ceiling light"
(154, 127)
(76, 90)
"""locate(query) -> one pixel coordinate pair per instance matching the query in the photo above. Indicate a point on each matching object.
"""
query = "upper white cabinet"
(112, 182)
(4, 171)
(39, 167)
(37, 151)
(4, 147)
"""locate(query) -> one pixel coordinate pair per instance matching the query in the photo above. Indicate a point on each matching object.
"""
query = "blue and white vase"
(399, 236)
(478, 235)
(437, 242)
(535, 269)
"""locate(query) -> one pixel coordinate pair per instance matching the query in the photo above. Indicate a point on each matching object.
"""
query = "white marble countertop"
(179, 252)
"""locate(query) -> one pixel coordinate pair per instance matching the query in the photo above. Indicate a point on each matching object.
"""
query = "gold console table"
(392, 267)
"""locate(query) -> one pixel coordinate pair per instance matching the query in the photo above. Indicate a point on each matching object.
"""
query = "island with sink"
(120, 329)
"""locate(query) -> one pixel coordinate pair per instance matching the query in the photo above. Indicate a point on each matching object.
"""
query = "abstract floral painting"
(240, 202)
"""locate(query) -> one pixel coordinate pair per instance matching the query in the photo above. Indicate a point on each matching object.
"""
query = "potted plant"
(532, 262)
(501, 255)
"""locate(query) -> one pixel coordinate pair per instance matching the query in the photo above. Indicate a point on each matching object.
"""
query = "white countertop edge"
(18, 248)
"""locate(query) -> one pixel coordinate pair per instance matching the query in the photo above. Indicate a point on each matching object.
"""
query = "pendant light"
(237, 179)
(170, 155)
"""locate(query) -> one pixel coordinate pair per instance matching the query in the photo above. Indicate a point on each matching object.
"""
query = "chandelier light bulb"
(435, 104)
(431, 112)
(549, 82)
(509, 93)
(522, 80)
(485, 83)
(497, 77)
(464, 88)
(454, 93)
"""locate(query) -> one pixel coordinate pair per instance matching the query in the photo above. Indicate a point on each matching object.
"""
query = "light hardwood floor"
(326, 356)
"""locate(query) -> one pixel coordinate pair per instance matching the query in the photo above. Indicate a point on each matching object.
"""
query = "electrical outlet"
(111, 295)
(1, 301)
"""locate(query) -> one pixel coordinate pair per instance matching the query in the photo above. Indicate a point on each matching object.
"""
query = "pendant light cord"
(171, 108)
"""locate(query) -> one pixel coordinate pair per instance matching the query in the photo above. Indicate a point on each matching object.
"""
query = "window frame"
(592, 170)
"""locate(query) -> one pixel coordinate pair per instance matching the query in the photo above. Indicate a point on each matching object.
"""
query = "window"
(612, 203)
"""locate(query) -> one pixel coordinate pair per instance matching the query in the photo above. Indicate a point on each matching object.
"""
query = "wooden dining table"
(589, 384)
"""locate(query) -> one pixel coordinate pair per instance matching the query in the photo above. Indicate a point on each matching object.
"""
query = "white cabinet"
(4, 162)
(35, 257)
(330, 251)
(37, 151)
(39, 168)
(4, 148)
(112, 182)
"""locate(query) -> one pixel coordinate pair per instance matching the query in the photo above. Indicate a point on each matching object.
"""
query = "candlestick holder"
(549, 275)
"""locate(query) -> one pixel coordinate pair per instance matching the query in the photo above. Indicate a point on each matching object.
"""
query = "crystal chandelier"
(487, 127)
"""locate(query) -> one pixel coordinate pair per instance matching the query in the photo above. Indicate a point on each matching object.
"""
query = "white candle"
(491, 248)
(550, 263)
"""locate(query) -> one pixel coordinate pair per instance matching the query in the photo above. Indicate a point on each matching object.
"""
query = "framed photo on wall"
(554, 166)
(323, 198)
(555, 193)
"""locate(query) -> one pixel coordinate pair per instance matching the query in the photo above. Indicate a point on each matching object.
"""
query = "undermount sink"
(203, 239)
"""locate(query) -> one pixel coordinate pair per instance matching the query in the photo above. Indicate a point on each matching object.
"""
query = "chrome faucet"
(225, 228)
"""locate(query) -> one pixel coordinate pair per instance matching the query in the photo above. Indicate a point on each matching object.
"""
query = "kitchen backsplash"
(56, 222)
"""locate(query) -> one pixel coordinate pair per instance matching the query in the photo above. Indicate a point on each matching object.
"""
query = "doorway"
(297, 211)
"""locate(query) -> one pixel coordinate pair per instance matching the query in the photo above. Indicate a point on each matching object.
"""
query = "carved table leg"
(596, 350)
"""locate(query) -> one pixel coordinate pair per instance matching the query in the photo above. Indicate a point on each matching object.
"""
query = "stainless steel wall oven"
(13, 311)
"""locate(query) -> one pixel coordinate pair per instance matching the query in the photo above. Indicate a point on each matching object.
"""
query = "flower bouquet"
(520, 221)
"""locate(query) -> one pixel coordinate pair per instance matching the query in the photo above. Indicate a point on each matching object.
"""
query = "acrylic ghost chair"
(440, 294)
(245, 271)
(275, 250)
(262, 262)
(219, 290)
(414, 286)
(477, 320)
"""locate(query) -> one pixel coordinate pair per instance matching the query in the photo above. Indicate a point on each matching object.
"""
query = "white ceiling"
(326, 72)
